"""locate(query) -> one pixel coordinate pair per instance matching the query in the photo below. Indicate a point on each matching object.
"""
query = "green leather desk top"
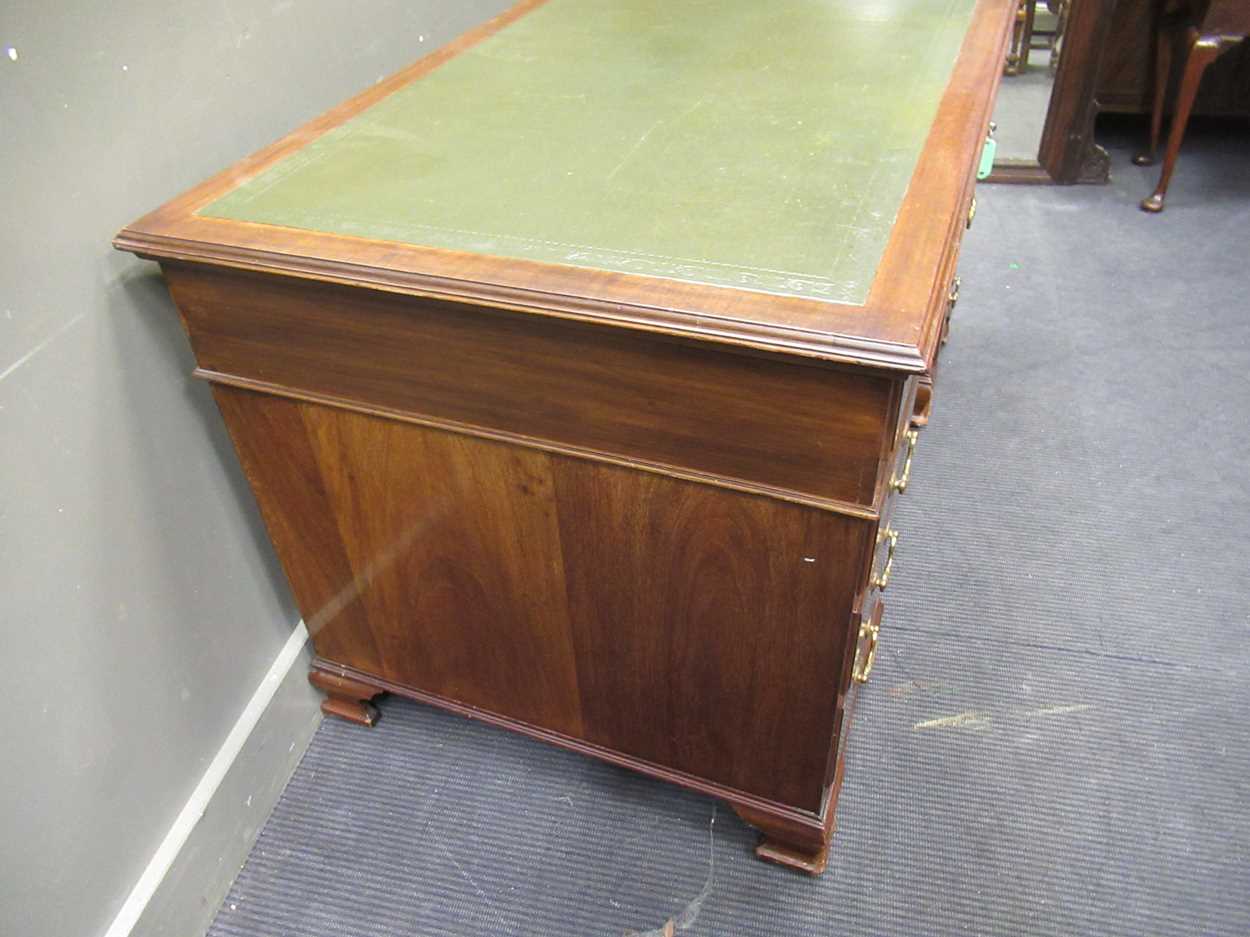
(760, 144)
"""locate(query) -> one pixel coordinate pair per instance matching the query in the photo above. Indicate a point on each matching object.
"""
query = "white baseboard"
(191, 871)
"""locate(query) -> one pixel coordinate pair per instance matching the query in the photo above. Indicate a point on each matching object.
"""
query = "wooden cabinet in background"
(574, 368)
(1126, 77)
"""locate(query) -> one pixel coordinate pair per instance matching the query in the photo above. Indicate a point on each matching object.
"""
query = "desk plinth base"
(345, 697)
(797, 841)
(804, 848)
(813, 863)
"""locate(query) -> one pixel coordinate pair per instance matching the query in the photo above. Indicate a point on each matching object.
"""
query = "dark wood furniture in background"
(1189, 36)
(1068, 152)
(1021, 38)
(1025, 33)
(1126, 80)
(635, 506)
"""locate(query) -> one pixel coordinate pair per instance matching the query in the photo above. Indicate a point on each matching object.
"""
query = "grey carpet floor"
(1055, 739)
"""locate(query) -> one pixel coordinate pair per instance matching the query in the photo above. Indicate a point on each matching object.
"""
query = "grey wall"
(139, 601)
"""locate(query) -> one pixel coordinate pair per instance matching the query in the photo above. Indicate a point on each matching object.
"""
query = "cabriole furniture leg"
(1202, 40)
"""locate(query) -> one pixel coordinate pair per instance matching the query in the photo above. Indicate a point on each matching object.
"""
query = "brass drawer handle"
(869, 630)
(972, 210)
(883, 580)
(953, 296)
(899, 482)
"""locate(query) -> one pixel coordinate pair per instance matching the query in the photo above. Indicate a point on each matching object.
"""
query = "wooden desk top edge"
(896, 329)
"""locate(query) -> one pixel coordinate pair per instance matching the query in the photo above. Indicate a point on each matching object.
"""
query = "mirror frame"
(1067, 153)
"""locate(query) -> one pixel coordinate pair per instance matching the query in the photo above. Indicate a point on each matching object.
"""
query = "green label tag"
(987, 157)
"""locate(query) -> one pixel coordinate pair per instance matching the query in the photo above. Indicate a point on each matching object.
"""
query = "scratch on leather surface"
(650, 130)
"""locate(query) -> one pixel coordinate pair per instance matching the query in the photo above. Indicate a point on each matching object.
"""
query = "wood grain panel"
(710, 626)
(1126, 79)
(813, 430)
(281, 465)
(447, 544)
(455, 544)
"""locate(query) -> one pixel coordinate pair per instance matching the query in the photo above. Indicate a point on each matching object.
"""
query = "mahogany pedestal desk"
(573, 369)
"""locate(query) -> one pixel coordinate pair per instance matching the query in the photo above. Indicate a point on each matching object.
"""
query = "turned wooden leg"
(805, 848)
(1201, 52)
(1166, 36)
(1021, 35)
(1026, 37)
(346, 697)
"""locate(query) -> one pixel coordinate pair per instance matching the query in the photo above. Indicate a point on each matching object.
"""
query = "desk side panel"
(812, 430)
(692, 627)
(710, 625)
